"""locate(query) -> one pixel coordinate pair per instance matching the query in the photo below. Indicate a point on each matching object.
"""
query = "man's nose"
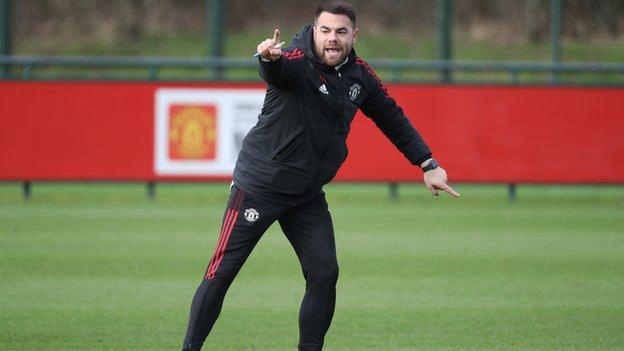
(332, 36)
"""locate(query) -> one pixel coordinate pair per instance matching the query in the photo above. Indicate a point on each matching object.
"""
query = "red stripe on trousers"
(222, 253)
(236, 205)
(221, 239)
(226, 230)
(220, 243)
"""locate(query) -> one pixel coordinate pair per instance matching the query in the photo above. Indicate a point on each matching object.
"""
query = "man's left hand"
(436, 179)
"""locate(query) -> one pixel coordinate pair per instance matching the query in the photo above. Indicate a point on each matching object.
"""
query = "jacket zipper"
(331, 135)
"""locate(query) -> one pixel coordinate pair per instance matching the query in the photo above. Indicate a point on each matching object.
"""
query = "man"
(315, 87)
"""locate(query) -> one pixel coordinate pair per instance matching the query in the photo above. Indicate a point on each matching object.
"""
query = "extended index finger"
(450, 190)
(276, 36)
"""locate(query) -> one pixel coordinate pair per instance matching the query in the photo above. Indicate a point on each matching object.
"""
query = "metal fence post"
(5, 33)
(394, 191)
(26, 189)
(512, 191)
(151, 190)
(216, 15)
(555, 37)
(152, 72)
(444, 19)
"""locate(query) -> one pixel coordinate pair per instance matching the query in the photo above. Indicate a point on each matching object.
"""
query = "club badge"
(251, 215)
(354, 91)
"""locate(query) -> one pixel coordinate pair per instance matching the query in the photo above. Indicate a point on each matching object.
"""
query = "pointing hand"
(436, 179)
(270, 49)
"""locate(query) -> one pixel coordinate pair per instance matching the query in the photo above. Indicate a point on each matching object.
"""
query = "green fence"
(218, 68)
(245, 69)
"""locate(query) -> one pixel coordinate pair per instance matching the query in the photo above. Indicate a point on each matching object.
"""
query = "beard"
(333, 55)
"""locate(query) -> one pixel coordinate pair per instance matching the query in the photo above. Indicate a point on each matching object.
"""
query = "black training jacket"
(299, 142)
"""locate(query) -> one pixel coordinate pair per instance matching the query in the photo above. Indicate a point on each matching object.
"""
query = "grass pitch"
(99, 267)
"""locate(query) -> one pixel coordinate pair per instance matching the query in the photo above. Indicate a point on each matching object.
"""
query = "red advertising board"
(106, 131)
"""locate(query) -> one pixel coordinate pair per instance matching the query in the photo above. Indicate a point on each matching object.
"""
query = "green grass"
(100, 267)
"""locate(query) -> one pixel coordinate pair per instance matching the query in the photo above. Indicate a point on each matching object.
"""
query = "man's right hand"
(436, 179)
(268, 49)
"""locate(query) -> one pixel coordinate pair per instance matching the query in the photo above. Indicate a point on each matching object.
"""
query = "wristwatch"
(433, 164)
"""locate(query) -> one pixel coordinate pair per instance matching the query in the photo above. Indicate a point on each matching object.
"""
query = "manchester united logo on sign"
(192, 132)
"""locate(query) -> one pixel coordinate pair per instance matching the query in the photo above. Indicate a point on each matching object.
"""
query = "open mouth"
(332, 50)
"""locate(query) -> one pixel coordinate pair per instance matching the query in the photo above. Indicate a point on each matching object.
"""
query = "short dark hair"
(337, 8)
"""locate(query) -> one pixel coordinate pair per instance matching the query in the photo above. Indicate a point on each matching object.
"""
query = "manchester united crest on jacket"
(354, 91)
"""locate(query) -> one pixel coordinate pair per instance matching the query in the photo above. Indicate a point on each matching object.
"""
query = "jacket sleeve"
(281, 72)
(391, 120)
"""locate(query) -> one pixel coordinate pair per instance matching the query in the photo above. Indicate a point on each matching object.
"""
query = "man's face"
(334, 37)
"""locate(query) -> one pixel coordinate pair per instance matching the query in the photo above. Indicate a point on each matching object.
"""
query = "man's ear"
(355, 32)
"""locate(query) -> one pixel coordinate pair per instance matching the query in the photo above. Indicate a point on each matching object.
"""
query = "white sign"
(200, 131)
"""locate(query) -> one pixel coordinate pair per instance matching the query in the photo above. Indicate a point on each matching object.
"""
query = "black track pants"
(308, 226)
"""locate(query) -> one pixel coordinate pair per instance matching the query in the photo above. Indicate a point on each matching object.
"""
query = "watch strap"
(433, 164)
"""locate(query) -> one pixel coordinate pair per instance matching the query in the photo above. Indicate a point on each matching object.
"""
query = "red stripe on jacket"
(365, 64)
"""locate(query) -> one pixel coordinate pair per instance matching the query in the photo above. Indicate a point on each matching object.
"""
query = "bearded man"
(315, 87)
